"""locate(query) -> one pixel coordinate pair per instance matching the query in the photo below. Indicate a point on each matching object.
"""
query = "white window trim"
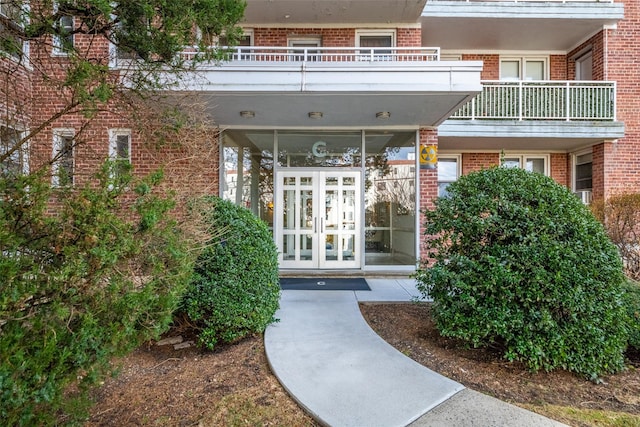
(522, 60)
(458, 159)
(524, 156)
(113, 143)
(574, 165)
(58, 134)
(306, 40)
(25, 44)
(56, 43)
(377, 32)
(23, 151)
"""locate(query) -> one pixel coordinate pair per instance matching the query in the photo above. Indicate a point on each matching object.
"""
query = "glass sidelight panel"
(390, 198)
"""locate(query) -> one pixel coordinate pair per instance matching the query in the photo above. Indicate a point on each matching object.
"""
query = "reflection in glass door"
(318, 219)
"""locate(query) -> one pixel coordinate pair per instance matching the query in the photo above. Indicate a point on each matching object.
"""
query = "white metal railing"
(542, 100)
(324, 54)
(537, 1)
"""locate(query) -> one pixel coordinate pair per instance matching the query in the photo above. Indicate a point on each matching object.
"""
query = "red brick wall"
(477, 161)
(557, 67)
(622, 161)
(559, 167)
(490, 65)
(331, 37)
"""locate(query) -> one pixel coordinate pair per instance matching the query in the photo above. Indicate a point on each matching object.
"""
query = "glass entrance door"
(317, 219)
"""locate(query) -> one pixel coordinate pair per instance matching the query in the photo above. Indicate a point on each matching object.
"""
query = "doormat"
(320, 284)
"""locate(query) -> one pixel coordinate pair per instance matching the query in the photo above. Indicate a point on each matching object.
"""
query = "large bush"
(235, 289)
(519, 263)
(78, 287)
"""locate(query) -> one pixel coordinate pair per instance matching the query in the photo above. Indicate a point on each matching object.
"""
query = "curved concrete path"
(340, 371)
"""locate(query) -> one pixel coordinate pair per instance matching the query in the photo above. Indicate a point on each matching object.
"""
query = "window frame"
(113, 145)
(22, 152)
(522, 67)
(523, 157)
(574, 169)
(14, 25)
(458, 161)
(59, 157)
(58, 46)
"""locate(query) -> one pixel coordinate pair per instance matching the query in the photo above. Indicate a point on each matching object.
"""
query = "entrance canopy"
(334, 89)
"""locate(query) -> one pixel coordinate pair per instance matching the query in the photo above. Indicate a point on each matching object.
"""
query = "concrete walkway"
(343, 374)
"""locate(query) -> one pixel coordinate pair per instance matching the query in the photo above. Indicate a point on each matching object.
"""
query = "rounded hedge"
(234, 291)
(519, 262)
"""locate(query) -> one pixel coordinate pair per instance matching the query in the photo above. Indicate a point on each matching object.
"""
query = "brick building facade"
(320, 118)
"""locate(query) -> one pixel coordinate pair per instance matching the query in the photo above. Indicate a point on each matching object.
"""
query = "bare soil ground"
(233, 386)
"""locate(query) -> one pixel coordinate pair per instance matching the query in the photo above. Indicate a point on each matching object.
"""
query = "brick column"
(428, 182)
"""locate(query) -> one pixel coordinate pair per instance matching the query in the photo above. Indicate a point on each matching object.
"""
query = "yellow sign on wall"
(428, 156)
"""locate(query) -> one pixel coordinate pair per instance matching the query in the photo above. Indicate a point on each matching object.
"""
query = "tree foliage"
(235, 290)
(79, 286)
(520, 263)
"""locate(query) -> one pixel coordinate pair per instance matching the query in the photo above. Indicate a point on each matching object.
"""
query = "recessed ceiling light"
(383, 115)
(247, 114)
(315, 114)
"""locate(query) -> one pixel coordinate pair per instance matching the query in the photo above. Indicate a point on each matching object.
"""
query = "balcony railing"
(537, 1)
(542, 100)
(326, 54)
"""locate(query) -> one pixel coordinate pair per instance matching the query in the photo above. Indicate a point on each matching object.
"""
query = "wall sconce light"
(315, 115)
(383, 115)
(247, 114)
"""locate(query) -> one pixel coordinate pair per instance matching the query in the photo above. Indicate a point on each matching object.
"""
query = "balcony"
(545, 25)
(535, 115)
(542, 100)
(280, 87)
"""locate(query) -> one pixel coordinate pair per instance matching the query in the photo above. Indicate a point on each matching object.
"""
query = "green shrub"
(518, 262)
(78, 287)
(235, 289)
(631, 300)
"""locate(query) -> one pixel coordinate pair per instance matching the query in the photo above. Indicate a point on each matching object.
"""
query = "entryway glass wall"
(379, 227)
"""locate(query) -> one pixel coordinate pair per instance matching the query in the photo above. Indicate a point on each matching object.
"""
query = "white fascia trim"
(333, 26)
(521, 53)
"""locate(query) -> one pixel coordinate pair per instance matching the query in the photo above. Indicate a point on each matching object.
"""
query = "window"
(584, 67)
(11, 32)
(120, 150)
(530, 163)
(63, 40)
(448, 172)
(305, 42)
(376, 40)
(62, 168)
(583, 172)
(523, 69)
(16, 162)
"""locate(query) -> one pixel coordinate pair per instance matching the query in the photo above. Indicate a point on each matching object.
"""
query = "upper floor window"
(376, 39)
(305, 42)
(512, 68)
(63, 40)
(63, 163)
(448, 172)
(11, 31)
(531, 163)
(16, 162)
(584, 66)
(120, 149)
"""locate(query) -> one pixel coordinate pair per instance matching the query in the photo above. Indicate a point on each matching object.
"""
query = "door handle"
(315, 223)
(321, 225)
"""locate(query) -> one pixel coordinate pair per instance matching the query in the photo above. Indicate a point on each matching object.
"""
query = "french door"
(318, 219)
